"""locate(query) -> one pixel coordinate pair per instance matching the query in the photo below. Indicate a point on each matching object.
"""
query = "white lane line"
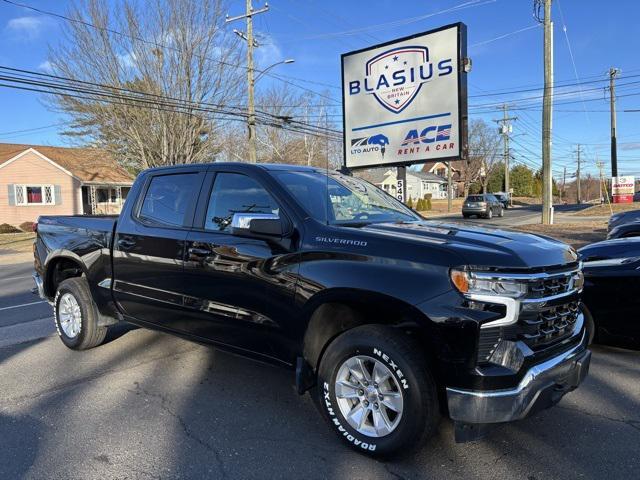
(23, 305)
(14, 278)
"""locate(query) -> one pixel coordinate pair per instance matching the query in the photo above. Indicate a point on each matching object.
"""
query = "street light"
(251, 119)
(288, 60)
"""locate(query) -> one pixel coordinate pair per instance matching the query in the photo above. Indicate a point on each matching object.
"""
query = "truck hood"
(479, 246)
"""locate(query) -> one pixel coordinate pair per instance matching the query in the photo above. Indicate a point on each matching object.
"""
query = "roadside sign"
(405, 101)
(622, 189)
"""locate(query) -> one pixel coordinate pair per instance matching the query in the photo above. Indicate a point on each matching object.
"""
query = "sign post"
(405, 101)
(401, 184)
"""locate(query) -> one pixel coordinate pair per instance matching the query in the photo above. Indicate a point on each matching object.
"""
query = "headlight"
(482, 284)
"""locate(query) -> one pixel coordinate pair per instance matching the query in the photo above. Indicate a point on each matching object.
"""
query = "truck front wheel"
(376, 391)
(75, 315)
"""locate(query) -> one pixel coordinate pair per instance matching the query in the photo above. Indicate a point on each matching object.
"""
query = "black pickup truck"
(389, 320)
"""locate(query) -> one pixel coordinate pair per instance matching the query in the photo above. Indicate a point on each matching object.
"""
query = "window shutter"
(12, 194)
(57, 194)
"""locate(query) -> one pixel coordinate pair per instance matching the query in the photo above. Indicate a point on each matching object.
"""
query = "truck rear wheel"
(75, 315)
(376, 391)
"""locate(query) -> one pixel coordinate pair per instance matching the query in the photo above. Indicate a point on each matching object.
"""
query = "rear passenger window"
(236, 193)
(168, 198)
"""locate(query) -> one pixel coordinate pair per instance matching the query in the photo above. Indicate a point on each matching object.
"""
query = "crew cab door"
(149, 247)
(239, 288)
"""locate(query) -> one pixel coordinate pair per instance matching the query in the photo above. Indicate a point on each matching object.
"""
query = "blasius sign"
(405, 101)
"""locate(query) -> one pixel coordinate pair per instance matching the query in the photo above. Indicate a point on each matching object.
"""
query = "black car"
(388, 320)
(612, 288)
(503, 198)
(624, 225)
(482, 205)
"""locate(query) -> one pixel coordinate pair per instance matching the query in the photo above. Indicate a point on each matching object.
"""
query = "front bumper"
(541, 387)
(474, 210)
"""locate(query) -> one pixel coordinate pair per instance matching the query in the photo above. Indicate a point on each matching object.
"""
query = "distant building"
(40, 180)
(440, 168)
(419, 184)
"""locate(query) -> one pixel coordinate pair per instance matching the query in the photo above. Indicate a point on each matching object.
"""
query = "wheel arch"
(335, 311)
(59, 266)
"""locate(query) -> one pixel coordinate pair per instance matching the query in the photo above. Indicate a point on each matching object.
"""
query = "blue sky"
(505, 45)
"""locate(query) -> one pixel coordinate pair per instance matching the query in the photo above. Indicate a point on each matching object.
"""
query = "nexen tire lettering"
(398, 372)
(341, 429)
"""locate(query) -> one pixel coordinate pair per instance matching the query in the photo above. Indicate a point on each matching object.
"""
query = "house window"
(35, 195)
(106, 195)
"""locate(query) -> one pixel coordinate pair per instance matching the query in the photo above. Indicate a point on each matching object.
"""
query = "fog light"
(508, 355)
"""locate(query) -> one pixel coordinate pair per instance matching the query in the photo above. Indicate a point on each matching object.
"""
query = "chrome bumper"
(543, 386)
(39, 288)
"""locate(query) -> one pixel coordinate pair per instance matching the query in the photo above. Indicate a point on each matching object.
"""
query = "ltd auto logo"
(375, 143)
(395, 77)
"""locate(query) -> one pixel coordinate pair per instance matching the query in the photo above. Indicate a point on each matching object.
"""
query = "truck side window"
(168, 197)
(236, 193)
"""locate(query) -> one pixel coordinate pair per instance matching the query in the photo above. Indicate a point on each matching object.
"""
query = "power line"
(397, 23)
(573, 61)
(157, 103)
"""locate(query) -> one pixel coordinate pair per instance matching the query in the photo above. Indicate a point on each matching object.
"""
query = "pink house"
(40, 180)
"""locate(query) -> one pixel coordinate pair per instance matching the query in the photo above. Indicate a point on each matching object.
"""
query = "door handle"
(199, 252)
(126, 243)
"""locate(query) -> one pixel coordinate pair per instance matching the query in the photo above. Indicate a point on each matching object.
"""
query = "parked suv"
(388, 320)
(503, 198)
(483, 205)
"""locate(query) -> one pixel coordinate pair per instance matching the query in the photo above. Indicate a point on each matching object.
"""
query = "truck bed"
(88, 237)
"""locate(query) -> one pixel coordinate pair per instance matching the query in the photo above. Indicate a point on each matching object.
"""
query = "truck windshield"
(352, 200)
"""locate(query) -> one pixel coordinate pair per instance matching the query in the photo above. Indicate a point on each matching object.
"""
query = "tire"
(590, 324)
(409, 387)
(465, 215)
(501, 214)
(490, 214)
(83, 334)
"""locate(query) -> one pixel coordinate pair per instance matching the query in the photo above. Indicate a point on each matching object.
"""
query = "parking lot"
(147, 405)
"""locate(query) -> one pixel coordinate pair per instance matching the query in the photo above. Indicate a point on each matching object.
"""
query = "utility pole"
(578, 192)
(613, 72)
(504, 130)
(564, 182)
(251, 43)
(547, 115)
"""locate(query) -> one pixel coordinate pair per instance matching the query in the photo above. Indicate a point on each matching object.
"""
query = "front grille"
(549, 287)
(546, 314)
(539, 329)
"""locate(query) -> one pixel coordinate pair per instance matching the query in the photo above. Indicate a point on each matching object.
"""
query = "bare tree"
(483, 155)
(175, 52)
(296, 133)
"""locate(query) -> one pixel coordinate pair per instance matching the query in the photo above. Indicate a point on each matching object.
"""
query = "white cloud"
(127, 60)
(268, 52)
(26, 27)
(46, 66)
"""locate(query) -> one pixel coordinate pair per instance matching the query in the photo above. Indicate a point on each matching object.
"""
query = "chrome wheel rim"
(69, 315)
(369, 396)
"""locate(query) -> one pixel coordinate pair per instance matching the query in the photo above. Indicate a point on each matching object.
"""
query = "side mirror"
(256, 224)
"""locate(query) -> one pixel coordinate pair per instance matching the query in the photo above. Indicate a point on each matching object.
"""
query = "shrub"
(410, 203)
(6, 228)
(27, 226)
